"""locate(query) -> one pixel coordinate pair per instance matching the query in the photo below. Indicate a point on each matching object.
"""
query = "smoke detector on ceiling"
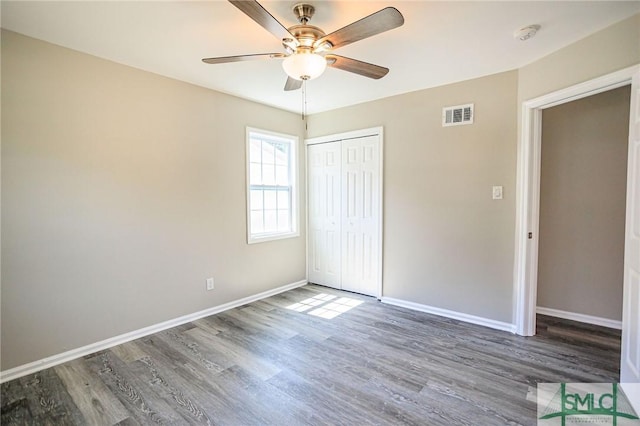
(526, 33)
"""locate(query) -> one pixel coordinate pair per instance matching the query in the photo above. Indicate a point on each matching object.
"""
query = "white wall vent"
(457, 115)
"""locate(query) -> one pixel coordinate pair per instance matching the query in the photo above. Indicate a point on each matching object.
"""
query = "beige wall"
(122, 191)
(446, 242)
(582, 205)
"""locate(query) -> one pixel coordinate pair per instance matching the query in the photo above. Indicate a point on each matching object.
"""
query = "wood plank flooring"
(267, 364)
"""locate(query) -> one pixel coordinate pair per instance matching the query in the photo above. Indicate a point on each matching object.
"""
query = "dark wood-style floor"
(276, 362)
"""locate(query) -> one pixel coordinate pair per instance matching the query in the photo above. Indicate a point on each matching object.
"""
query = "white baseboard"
(54, 360)
(486, 322)
(589, 319)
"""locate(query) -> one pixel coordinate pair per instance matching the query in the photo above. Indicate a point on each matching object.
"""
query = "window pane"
(256, 199)
(282, 154)
(270, 221)
(257, 225)
(283, 199)
(268, 153)
(255, 151)
(270, 199)
(282, 175)
(283, 220)
(255, 174)
(268, 174)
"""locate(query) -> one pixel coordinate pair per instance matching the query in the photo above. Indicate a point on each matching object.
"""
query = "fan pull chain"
(304, 99)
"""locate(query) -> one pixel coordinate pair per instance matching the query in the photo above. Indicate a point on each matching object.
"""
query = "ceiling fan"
(307, 48)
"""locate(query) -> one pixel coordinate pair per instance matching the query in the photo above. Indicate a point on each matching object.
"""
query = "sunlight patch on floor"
(325, 305)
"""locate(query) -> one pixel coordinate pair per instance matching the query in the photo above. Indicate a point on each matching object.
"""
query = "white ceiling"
(440, 42)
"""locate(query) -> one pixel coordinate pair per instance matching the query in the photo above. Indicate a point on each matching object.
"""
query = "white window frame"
(293, 179)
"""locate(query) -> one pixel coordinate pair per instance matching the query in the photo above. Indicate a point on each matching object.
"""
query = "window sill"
(272, 237)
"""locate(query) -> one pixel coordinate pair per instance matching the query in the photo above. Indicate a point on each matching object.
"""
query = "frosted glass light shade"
(304, 66)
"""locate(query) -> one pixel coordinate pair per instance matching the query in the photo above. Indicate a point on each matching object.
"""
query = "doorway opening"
(583, 182)
(528, 190)
(528, 209)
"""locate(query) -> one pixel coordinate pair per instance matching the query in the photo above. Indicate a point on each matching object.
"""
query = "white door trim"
(373, 131)
(528, 190)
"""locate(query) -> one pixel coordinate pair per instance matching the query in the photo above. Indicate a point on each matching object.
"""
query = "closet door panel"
(351, 212)
(324, 163)
(360, 207)
(370, 219)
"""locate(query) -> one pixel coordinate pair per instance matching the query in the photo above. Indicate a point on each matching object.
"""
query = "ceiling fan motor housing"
(304, 12)
(306, 35)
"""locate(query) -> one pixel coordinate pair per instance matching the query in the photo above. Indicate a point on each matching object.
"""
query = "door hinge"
(530, 235)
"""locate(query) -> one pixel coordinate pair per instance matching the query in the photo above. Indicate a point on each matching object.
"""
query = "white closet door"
(360, 215)
(324, 163)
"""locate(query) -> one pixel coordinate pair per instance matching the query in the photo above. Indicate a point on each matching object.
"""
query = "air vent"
(457, 115)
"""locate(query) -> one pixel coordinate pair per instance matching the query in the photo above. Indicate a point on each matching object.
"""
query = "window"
(271, 186)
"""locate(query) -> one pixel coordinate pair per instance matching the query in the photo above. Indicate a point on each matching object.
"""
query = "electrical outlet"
(209, 283)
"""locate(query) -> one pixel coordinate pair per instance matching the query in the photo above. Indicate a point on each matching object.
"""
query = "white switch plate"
(497, 192)
(209, 283)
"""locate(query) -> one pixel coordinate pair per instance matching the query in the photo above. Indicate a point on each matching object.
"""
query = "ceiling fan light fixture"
(304, 66)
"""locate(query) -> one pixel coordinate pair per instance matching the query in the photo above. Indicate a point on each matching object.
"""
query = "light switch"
(497, 192)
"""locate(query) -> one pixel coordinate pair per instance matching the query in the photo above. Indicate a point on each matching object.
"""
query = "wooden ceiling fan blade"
(355, 66)
(255, 11)
(376, 23)
(240, 58)
(292, 84)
